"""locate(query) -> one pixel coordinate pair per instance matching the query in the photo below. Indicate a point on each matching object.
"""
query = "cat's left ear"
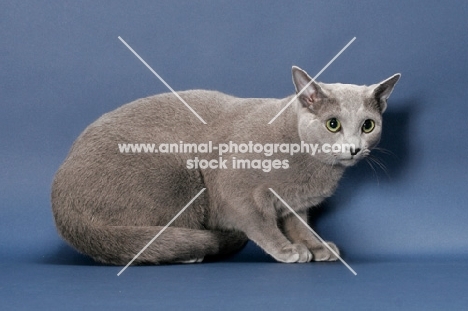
(383, 90)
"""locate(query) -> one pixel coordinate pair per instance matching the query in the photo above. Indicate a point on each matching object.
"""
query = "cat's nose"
(355, 151)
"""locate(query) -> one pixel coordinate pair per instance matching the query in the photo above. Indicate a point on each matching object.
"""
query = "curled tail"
(118, 245)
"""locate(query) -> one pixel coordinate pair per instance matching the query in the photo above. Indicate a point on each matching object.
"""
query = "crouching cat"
(109, 204)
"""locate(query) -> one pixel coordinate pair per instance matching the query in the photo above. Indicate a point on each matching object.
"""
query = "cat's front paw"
(294, 253)
(322, 253)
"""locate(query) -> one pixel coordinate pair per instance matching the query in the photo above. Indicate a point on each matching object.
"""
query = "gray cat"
(109, 204)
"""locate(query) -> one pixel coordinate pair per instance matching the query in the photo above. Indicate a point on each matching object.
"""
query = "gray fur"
(110, 205)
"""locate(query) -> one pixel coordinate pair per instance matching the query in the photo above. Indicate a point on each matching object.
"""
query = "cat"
(109, 205)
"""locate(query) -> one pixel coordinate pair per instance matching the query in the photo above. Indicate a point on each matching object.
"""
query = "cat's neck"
(287, 121)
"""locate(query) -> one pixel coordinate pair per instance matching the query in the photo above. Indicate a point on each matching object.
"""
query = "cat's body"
(109, 205)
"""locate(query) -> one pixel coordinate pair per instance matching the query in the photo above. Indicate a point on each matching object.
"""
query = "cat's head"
(337, 117)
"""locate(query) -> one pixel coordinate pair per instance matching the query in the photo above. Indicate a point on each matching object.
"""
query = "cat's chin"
(348, 162)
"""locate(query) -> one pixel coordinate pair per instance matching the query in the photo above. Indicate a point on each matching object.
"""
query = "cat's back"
(158, 117)
(165, 116)
(167, 109)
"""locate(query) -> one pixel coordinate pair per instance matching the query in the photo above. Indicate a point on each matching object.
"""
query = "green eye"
(368, 126)
(333, 125)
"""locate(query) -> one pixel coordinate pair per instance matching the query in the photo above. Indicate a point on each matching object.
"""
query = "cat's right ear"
(308, 91)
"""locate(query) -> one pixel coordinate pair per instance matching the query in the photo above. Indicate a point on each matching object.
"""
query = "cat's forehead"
(351, 97)
(346, 92)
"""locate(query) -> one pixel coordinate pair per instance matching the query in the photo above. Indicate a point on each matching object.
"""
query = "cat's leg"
(230, 242)
(227, 242)
(264, 231)
(297, 232)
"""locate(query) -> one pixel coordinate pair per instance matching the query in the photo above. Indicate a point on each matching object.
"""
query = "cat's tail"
(118, 245)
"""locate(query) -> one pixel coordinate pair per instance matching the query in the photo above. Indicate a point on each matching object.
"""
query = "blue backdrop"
(62, 66)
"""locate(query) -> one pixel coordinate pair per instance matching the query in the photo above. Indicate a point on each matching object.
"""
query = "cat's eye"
(368, 126)
(333, 125)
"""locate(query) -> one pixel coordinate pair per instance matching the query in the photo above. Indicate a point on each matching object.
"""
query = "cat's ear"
(383, 90)
(312, 93)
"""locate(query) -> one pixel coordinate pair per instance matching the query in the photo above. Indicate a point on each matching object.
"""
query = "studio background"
(62, 66)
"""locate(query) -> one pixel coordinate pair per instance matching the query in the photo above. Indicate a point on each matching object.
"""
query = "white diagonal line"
(159, 233)
(162, 80)
(313, 79)
(315, 233)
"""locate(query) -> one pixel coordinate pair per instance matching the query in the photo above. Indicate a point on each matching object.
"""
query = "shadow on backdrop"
(63, 254)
